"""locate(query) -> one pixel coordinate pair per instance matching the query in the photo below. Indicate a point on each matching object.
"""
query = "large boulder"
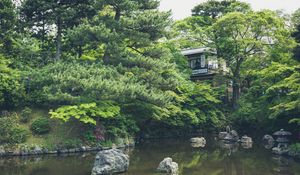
(168, 166)
(110, 162)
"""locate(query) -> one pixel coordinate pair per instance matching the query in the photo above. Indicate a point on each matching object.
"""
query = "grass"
(60, 132)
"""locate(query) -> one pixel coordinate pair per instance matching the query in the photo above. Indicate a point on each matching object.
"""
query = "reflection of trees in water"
(283, 165)
(228, 160)
(144, 159)
(212, 160)
(47, 165)
(39, 171)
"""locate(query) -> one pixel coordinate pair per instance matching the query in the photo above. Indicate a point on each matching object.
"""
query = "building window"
(203, 62)
(193, 63)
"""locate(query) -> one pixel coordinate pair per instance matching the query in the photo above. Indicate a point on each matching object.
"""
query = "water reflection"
(214, 159)
(283, 166)
(229, 147)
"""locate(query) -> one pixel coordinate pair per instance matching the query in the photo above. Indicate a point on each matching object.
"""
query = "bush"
(25, 115)
(89, 136)
(19, 135)
(295, 148)
(10, 131)
(106, 143)
(40, 126)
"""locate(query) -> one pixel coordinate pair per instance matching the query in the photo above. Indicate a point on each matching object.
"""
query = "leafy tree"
(213, 9)
(296, 35)
(297, 48)
(196, 105)
(11, 89)
(126, 26)
(296, 17)
(7, 25)
(271, 98)
(238, 37)
(87, 113)
(188, 33)
(287, 95)
(41, 15)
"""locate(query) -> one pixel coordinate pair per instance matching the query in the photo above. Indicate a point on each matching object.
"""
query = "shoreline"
(39, 151)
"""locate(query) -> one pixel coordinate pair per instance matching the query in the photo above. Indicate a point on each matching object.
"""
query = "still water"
(214, 159)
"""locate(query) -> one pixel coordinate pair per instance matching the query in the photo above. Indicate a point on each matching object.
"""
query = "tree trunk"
(58, 38)
(236, 83)
(117, 14)
(235, 93)
(79, 51)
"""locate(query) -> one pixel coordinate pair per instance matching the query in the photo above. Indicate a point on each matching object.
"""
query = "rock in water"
(198, 142)
(222, 135)
(246, 139)
(2, 151)
(168, 166)
(110, 161)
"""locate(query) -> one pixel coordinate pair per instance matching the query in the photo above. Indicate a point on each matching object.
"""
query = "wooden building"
(203, 62)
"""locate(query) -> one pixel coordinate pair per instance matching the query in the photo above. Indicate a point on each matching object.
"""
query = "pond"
(214, 159)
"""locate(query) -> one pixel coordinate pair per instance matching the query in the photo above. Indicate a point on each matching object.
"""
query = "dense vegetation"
(111, 69)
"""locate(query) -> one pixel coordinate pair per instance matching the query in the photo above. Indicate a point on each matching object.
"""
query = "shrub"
(25, 115)
(295, 148)
(10, 131)
(89, 136)
(19, 135)
(40, 126)
(106, 143)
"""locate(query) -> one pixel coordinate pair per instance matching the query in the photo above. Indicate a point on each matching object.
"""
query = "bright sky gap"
(182, 8)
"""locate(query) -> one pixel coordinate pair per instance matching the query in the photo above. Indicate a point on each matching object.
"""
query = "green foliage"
(196, 105)
(25, 115)
(40, 126)
(191, 31)
(72, 143)
(286, 94)
(295, 148)
(11, 89)
(69, 83)
(89, 136)
(271, 97)
(215, 9)
(7, 24)
(38, 15)
(120, 26)
(120, 127)
(10, 130)
(28, 53)
(88, 113)
(19, 135)
(107, 143)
